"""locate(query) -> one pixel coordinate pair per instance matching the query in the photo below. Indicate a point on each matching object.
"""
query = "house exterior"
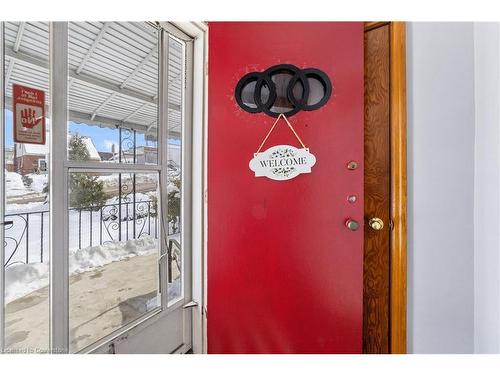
(143, 155)
(106, 156)
(27, 156)
(32, 158)
(9, 159)
(146, 155)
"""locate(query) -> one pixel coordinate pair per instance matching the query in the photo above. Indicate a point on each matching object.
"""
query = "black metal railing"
(20, 237)
(113, 222)
(26, 236)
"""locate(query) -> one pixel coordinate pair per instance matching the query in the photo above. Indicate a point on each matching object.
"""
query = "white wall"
(487, 189)
(440, 72)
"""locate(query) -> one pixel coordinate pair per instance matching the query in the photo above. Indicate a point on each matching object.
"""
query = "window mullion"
(59, 313)
(111, 168)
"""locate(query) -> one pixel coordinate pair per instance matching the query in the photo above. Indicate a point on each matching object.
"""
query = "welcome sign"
(282, 162)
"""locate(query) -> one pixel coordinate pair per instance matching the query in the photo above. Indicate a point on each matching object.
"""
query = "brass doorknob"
(375, 223)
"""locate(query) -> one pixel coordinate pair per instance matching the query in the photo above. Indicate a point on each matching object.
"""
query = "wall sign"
(29, 115)
(282, 162)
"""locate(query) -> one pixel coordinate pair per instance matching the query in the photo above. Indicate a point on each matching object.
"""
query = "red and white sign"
(29, 115)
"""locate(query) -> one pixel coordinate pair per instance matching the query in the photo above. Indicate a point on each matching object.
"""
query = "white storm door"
(139, 290)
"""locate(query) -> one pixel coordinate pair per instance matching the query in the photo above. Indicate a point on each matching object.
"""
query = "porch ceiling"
(113, 71)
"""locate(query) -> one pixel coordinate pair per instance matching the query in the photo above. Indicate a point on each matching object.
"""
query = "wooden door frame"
(398, 185)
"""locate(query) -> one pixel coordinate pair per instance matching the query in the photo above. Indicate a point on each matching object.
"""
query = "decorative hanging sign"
(282, 162)
(29, 115)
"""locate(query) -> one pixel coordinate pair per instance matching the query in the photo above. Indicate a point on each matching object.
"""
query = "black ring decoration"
(301, 76)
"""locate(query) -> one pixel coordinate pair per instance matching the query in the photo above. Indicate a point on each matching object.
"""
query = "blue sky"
(103, 138)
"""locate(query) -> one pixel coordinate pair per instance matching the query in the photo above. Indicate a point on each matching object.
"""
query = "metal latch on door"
(190, 304)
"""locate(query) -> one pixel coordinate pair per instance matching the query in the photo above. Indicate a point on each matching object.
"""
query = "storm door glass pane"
(113, 91)
(27, 208)
(113, 252)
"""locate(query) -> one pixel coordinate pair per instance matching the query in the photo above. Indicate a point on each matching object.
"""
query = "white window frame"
(198, 31)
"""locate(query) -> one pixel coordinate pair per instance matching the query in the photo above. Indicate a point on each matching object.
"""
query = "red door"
(285, 274)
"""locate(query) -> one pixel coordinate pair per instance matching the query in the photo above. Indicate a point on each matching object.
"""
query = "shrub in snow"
(77, 148)
(27, 180)
(86, 191)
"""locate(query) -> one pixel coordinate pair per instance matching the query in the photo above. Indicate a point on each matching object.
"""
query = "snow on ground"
(140, 178)
(81, 260)
(14, 185)
(22, 279)
(11, 208)
(38, 181)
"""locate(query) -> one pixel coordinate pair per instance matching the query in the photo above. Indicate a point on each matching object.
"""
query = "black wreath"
(264, 79)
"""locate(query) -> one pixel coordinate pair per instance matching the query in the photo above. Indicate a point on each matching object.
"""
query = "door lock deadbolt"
(352, 224)
(352, 165)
